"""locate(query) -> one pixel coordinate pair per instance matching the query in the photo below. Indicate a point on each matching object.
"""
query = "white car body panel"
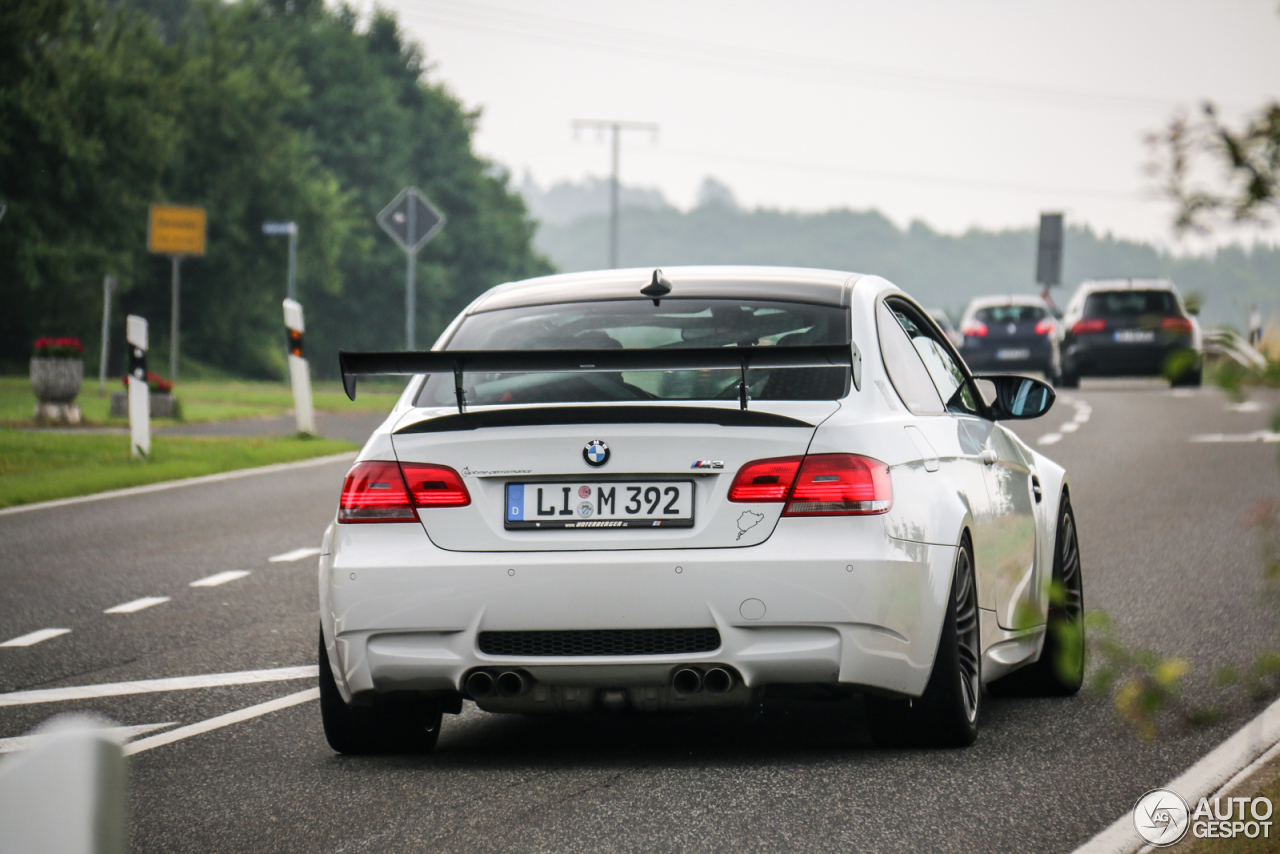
(846, 600)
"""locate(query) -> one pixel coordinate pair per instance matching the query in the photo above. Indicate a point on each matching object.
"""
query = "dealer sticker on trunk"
(615, 504)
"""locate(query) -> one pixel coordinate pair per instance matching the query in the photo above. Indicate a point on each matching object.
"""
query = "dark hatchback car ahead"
(1128, 328)
(1008, 334)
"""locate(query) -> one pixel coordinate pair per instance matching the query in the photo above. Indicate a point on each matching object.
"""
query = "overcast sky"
(956, 113)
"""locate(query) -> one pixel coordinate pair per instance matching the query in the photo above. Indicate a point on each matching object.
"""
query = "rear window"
(639, 324)
(1010, 314)
(1111, 303)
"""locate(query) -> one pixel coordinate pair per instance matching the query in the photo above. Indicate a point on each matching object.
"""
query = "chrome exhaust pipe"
(479, 685)
(717, 680)
(687, 681)
(512, 684)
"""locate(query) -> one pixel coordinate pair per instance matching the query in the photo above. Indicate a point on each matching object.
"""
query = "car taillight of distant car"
(974, 327)
(1046, 327)
(1177, 325)
(1089, 324)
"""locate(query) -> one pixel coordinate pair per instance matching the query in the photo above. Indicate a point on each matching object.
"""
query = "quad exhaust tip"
(512, 684)
(480, 684)
(717, 680)
(687, 681)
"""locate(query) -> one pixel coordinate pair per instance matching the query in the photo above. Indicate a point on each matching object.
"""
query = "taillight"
(1089, 324)
(435, 486)
(376, 491)
(1046, 327)
(765, 481)
(1177, 325)
(817, 485)
(973, 327)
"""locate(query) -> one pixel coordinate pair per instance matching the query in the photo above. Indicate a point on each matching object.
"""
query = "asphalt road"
(1166, 552)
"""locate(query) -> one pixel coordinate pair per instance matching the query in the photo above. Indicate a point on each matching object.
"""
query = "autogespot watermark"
(1162, 818)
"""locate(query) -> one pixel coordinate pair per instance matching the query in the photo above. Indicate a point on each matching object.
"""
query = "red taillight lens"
(435, 486)
(974, 327)
(765, 480)
(1180, 325)
(816, 485)
(1046, 327)
(375, 491)
(843, 484)
(1089, 324)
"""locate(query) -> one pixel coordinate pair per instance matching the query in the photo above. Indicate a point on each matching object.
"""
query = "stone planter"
(161, 405)
(56, 382)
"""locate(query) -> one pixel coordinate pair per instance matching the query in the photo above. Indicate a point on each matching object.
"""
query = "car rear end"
(649, 539)
(1127, 331)
(1010, 337)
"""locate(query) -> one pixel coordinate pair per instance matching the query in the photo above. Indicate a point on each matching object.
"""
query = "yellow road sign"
(174, 230)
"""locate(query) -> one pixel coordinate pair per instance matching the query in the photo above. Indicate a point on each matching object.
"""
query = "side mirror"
(1013, 397)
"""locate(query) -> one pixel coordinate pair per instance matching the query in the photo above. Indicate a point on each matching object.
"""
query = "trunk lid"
(651, 443)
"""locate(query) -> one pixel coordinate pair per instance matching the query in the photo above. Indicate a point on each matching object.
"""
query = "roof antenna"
(659, 287)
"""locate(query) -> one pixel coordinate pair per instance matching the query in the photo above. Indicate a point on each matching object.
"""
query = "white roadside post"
(139, 395)
(299, 370)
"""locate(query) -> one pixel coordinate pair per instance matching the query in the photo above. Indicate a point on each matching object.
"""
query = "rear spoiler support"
(458, 362)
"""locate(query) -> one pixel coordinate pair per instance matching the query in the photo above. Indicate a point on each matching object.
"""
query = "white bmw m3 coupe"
(687, 490)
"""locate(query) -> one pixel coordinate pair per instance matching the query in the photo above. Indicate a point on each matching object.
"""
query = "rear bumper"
(842, 603)
(985, 356)
(1108, 359)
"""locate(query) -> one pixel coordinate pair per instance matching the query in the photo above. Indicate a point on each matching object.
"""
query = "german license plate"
(1135, 336)
(634, 504)
(1013, 353)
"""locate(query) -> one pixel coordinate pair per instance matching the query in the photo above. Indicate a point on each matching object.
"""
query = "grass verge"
(44, 466)
(1242, 844)
(207, 400)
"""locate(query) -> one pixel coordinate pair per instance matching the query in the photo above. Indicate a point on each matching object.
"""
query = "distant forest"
(940, 270)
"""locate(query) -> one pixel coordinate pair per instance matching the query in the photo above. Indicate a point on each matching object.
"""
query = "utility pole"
(616, 128)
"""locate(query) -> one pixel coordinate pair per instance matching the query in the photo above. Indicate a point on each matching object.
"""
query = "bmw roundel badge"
(596, 453)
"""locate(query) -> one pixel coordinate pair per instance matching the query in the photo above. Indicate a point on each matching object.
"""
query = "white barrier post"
(139, 395)
(65, 792)
(299, 370)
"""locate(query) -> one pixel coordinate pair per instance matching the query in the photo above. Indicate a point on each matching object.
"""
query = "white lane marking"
(119, 733)
(1212, 773)
(1049, 439)
(1246, 406)
(296, 554)
(137, 605)
(222, 720)
(33, 638)
(1255, 436)
(1069, 427)
(174, 484)
(151, 686)
(221, 578)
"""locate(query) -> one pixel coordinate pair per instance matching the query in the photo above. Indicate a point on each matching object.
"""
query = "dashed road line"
(1256, 436)
(119, 733)
(151, 686)
(1049, 439)
(1083, 412)
(221, 721)
(137, 605)
(33, 638)
(221, 578)
(1245, 406)
(296, 554)
(1069, 427)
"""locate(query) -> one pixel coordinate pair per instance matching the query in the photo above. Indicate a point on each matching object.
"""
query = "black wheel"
(1059, 672)
(393, 726)
(1068, 380)
(946, 714)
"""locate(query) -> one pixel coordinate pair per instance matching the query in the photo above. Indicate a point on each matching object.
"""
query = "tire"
(390, 726)
(1191, 379)
(947, 713)
(1059, 672)
(1068, 380)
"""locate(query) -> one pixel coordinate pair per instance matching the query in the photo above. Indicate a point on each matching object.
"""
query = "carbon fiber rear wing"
(458, 362)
